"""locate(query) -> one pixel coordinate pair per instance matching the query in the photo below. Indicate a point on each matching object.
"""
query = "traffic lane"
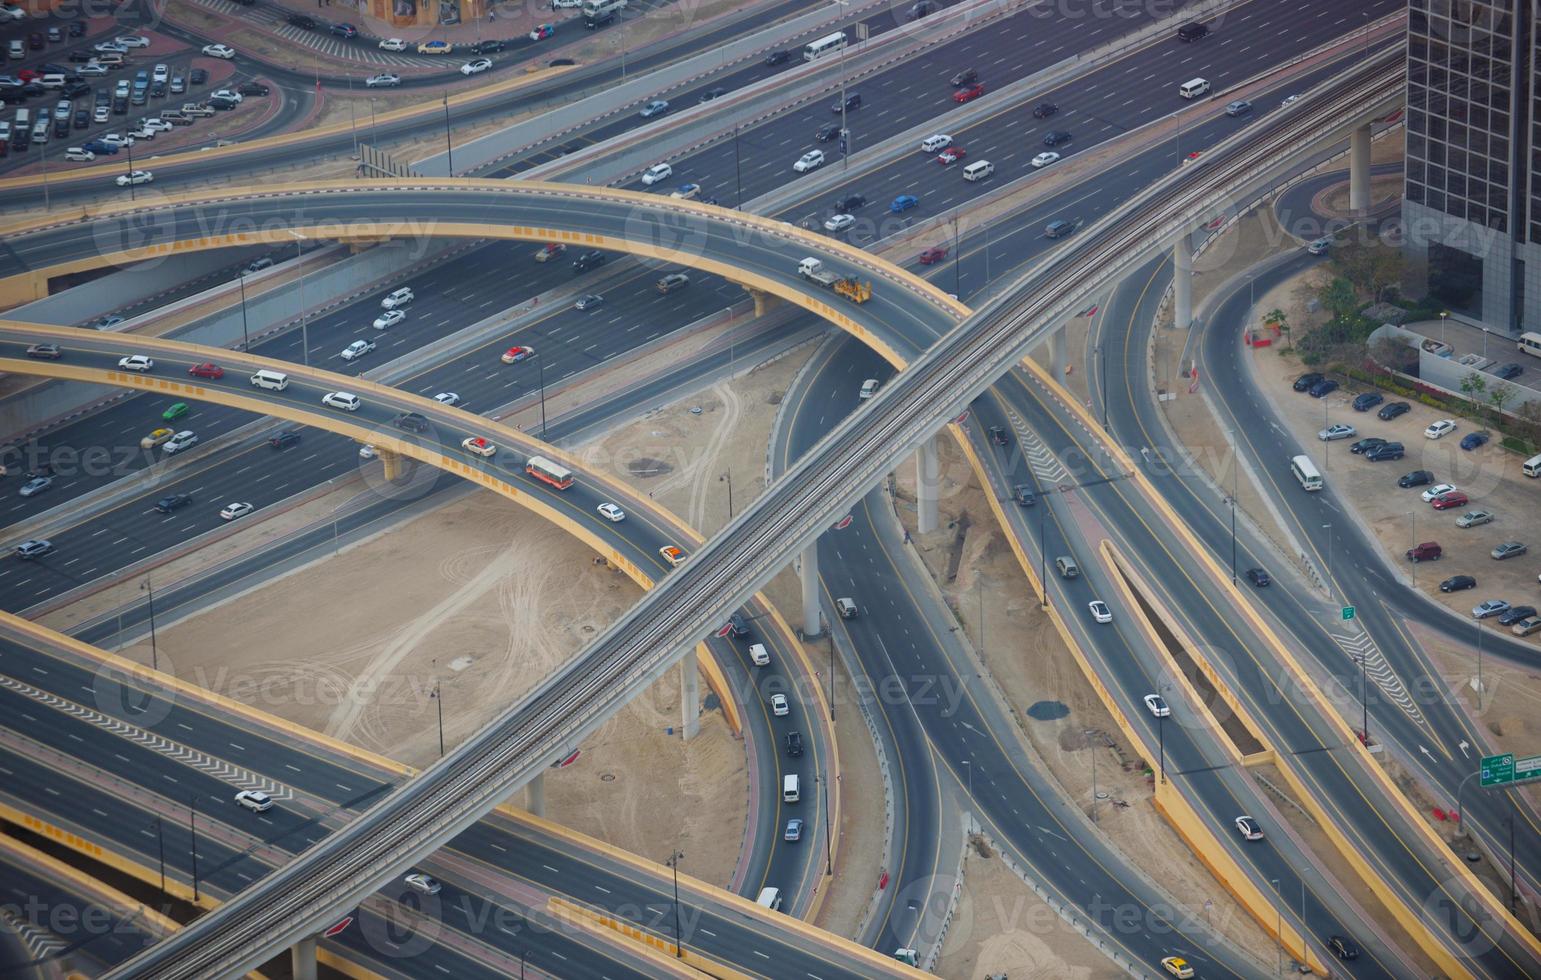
(763, 251)
(131, 829)
(1198, 762)
(893, 651)
(230, 739)
(1451, 729)
(753, 942)
(1374, 827)
(81, 925)
(828, 395)
(1000, 139)
(1124, 99)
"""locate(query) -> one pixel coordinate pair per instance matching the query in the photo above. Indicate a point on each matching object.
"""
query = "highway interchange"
(973, 268)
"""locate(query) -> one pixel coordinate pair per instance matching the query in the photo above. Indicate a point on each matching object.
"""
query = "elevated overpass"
(756, 545)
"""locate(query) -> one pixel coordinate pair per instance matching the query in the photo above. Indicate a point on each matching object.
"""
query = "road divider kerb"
(1240, 601)
(1184, 818)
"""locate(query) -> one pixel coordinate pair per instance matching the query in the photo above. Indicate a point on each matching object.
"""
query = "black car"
(82, 118)
(827, 132)
(967, 76)
(850, 203)
(1055, 137)
(1342, 948)
(285, 439)
(794, 744)
(1509, 371)
(998, 436)
(777, 58)
(252, 88)
(1458, 583)
(348, 30)
(158, 90)
(1024, 495)
(1366, 444)
(84, 54)
(1514, 614)
(1323, 388)
(737, 626)
(77, 28)
(1044, 110)
(712, 94)
(410, 421)
(589, 260)
(487, 47)
(1306, 381)
(62, 127)
(1367, 401)
(1392, 410)
(302, 21)
(54, 68)
(1192, 31)
(197, 76)
(852, 101)
(1386, 452)
(1259, 578)
(561, 62)
(1058, 228)
(1417, 478)
(171, 502)
(223, 105)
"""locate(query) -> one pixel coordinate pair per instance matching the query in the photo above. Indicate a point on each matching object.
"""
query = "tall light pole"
(160, 841)
(449, 149)
(728, 478)
(155, 660)
(299, 258)
(1444, 315)
(1278, 907)
(129, 146)
(957, 260)
(1235, 478)
(245, 333)
(738, 174)
(825, 789)
(373, 138)
(353, 117)
(192, 830)
(674, 866)
(439, 702)
(1043, 550)
(1102, 383)
(1328, 568)
(540, 374)
(969, 773)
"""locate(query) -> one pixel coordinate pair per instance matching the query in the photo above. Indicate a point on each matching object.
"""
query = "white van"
(790, 789)
(758, 655)
(271, 380)
(770, 898)
(847, 607)
(18, 49)
(52, 81)
(1193, 88)
(399, 298)
(1532, 467)
(935, 144)
(978, 170)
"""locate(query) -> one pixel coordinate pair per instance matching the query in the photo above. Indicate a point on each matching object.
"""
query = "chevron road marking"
(1045, 465)
(1359, 645)
(218, 768)
(41, 943)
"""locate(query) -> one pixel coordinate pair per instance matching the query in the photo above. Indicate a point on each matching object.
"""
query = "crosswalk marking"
(218, 768)
(325, 43)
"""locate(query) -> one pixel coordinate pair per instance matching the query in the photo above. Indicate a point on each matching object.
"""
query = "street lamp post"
(353, 117)
(1278, 906)
(968, 770)
(299, 258)
(245, 333)
(728, 478)
(192, 830)
(1102, 382)
(825, 789)
(1092, 749)
(160, 845)
(1327, 570)
(130, 148)
(1043, 551)
(373, 138)
(957, 261)
(738, 174)
(439, 703)
(1444, 315)
(149, 590)
(540, 376)
(449, 148)
(674, 866)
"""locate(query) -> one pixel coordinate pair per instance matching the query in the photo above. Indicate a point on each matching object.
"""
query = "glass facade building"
(1472, 191)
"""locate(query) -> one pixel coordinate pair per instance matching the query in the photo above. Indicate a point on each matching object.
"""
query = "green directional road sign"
(1348, 613)
(1504, 770)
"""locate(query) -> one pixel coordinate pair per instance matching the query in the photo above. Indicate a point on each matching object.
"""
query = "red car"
(1453, 498)
(951, 155)
(968, 93)
(933, 255)
(516, 354)
(29, 75)
(207, 370)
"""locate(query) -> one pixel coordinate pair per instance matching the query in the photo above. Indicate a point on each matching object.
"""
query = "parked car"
(1417, 478)
(1450, 501)
(1509, 371)
(1336, 431)
(1514, 614)
(1323, 388)
(1437, 490)
(1458, 583)
(1473, 440)
(1367, 401)
(1307, 381)
(1509, 549)
(1489, 608)
(1392, 410)
(1366, 444)
(1474, 518)
(1385, 452)
(1440, 429)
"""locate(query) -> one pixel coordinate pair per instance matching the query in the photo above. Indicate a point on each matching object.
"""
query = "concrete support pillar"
(690, 697)
(927, 482)
(1182, 281)
(808, 570)
(763, 302)
(535, 795)
(1359, 170)
(391, 462)
(1059, 353)
(302, 959)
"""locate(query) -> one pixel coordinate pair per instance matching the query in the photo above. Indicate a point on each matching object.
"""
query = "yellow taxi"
(155, 438)
(1177, 967)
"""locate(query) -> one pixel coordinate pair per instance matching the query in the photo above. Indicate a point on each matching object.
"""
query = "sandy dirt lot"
(1001, 927)
(1020, 634)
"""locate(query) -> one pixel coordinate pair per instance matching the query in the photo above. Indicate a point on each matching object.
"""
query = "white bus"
(1530, 343)
(546, 471)
(1306, 472)
(600, 9)
(823, 46)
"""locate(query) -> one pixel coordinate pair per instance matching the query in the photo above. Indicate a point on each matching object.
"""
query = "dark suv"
(794, 744)
(175, 501)
(967, 76)
(1385, 452)
(849, 203)
(1055, 137)
(1367, 401)
(1024, 495)
(1306, 381)
(1392, 410)
(1417, 478)
(827, 132)
(1323, 388)
(1192, 31)
(1058, 229)
(737, 626)
(589, 260)
(302, 21)
(285, 439)
(410, 421)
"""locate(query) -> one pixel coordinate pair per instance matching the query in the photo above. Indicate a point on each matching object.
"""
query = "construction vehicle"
(813, 270)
